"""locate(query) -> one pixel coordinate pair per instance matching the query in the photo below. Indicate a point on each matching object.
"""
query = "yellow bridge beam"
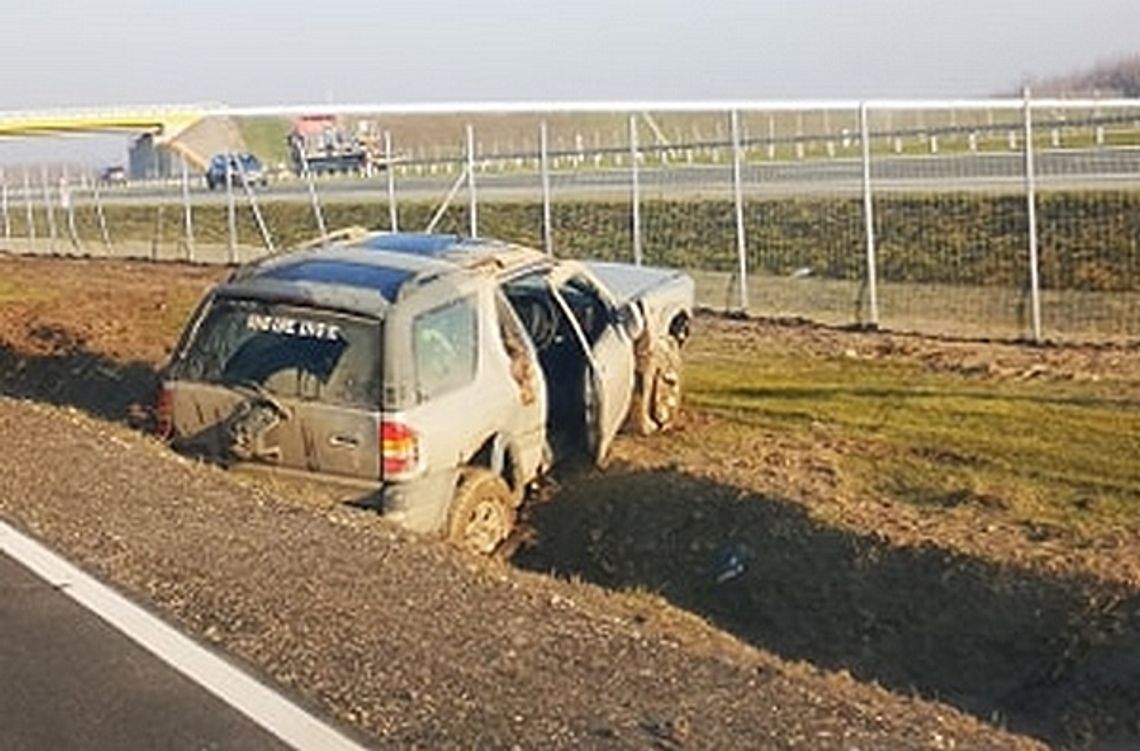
(165, 122)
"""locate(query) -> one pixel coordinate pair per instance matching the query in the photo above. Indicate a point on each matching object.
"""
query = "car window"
(289, 351)
(444, 347)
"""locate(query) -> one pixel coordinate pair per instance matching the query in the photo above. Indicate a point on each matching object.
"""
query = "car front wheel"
(657, 401)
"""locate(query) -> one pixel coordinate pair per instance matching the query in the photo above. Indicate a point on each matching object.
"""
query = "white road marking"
(269, 709)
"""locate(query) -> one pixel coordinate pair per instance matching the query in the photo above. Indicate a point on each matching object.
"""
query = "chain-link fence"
(1002, 218)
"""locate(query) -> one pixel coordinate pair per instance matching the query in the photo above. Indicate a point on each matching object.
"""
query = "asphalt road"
(1068, 169)
(68, 680)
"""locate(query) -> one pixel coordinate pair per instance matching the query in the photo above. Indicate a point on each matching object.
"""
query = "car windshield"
(289, 351)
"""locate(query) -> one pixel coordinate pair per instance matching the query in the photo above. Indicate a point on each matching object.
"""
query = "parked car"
(113, 175)
(242, 166)
(437, 376)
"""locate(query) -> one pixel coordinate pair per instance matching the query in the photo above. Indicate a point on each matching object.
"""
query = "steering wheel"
(541, 321)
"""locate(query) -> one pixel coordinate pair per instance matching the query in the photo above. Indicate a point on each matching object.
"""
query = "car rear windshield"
(288, 350)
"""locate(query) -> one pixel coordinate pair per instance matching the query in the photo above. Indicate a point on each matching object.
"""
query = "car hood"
(628, 282)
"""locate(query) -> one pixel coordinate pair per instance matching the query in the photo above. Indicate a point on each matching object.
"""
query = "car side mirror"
(630, 319)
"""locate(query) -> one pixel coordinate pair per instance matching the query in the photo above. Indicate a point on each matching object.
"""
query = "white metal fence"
(993, 218)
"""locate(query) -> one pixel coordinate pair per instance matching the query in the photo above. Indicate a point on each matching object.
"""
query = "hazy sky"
(101, 52)
(278, 51)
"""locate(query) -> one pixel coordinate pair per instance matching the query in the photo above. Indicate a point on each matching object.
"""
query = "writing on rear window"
(292, 327)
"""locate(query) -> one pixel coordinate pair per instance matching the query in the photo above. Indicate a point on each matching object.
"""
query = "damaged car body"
(435, 376)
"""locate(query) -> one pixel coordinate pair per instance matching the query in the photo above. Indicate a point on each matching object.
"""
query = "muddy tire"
(482, 512)
(657, 400)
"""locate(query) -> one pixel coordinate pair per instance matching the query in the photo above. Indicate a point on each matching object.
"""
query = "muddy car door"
(283, 385)
(609, 354)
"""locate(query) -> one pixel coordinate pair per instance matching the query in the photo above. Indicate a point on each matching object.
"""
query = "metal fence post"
(472, 198)
(101, 217)
(4, 206)
(869, 217)
(314, 199)
(771, 136)
(30, 211)
(1031, 205)
(393, 212)
(231, 212)
(451, 193)
(187, 211)
(738, 197)
(68, 202)
(250, 196)
(635, 188)
(544, 168)
(156, 238)
(49, 208)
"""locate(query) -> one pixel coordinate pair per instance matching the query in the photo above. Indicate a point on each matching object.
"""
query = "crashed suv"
(435, 376)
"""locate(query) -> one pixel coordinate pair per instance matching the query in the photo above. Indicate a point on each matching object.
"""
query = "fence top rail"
(567, 106)
(635, 106)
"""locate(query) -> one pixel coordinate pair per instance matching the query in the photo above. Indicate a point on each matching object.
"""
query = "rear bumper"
(420, 505)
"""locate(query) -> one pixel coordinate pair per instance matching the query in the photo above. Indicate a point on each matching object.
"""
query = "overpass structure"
(164, 124)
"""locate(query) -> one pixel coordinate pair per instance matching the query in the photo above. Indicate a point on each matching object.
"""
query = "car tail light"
(164, 412)
(399, 450)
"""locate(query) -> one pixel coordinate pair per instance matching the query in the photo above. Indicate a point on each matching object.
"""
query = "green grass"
(1065, 455)
(265, 136)
(1088, 241)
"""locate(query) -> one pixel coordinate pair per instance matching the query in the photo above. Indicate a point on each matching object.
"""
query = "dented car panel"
(663, 296)
(278, 384)
(399, 364)
(591, 311)
(232, 425)
(458, 396)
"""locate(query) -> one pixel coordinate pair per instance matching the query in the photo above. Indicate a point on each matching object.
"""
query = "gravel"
(410, 642)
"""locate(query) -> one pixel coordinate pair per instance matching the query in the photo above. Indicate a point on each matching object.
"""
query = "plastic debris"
(731, 562)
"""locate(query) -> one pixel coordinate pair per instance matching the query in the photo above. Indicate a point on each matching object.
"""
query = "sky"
(265, 52)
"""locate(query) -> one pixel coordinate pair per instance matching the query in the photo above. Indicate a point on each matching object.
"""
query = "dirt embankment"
(409, 640)
(92, 334)
(280, 581)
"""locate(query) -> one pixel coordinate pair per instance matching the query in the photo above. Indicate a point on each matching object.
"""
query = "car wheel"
(482, 513)
(657, 400)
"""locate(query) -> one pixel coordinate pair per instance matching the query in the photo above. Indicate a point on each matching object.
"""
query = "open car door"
(608, 382)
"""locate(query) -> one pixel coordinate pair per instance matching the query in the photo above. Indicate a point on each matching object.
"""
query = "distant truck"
(325, 144)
